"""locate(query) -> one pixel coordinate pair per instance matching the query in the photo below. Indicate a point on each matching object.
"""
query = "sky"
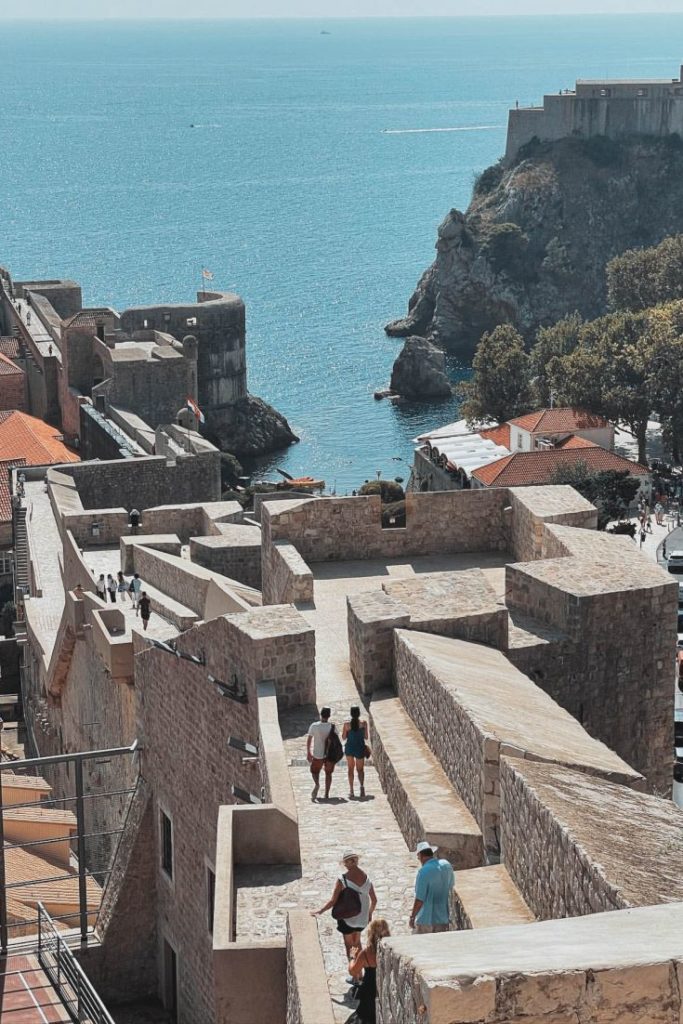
(95, 9)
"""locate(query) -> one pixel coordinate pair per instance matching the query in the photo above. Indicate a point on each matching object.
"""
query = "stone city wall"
(533, 507)
(618, 614)
(308, 997)
(235, 553)
(450, 733)
(286, 577)
(552, 870)
(614, 968)
(372, 618)
(145, 482)
(346, 529)
(189, 782)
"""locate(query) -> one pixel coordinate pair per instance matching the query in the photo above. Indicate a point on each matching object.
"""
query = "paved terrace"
(327, 829)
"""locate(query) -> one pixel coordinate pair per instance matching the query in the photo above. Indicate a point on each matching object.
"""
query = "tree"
(499, 388)
(662, 367)
(552, 343)
(611, 491)
(607, 372)
(642, 278)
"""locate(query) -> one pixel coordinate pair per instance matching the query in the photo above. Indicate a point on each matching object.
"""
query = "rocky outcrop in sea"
(419, 371)
(251, 427)
(533, 243)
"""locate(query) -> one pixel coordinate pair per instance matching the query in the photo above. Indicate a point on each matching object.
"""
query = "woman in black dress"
(364, 962)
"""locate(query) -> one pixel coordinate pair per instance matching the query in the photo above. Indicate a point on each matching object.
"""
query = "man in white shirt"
(316, 748)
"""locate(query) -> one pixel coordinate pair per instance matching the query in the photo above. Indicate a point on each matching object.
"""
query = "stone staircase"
(22, 577)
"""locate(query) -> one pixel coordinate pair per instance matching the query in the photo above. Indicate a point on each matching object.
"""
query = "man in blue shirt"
(433, 885)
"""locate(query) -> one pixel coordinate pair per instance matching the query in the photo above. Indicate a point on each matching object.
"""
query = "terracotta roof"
(8, 367)
(559, 420)
(27, 866)
(499, 434)
(525, 468)
(25, 437)
(9, 346)
(574, 441)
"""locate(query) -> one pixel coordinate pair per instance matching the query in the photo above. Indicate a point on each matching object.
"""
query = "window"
(170, 990)
(642, 92)
(5, 563)
(519, 440)
(166, 844)
(210, 898)
(192, 321)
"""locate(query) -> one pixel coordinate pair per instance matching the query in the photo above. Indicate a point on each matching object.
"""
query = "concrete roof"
(635, 840)
(508, 705)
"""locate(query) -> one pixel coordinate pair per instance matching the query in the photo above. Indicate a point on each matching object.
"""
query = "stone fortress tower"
(614, 108)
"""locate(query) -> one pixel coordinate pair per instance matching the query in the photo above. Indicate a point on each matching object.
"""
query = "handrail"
(68, 977)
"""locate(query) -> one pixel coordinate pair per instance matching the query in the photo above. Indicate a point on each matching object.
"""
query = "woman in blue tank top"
(356, 736)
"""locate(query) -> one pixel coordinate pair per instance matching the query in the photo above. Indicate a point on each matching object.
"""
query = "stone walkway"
(44, 613)
(108, 560)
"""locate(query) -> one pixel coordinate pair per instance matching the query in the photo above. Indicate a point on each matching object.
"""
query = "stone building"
(147, 361)
(613, 108)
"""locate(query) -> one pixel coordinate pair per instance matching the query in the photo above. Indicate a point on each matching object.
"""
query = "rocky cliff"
(250, 427)
(535, 239)
(420, 371)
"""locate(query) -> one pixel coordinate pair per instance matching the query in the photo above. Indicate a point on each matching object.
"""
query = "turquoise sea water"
(288, 187)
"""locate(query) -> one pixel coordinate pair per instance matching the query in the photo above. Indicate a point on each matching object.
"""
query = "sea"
(307, 164)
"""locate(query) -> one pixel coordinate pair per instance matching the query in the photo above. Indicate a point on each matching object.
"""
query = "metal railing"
(70, 981)
(76, 838)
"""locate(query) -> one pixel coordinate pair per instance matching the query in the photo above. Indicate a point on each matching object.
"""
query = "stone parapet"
(421, 797)
(372, 618)
(564, 842)
(308, 997)
(287, 578)
(235, 553)
(623, 968)
(486, 897)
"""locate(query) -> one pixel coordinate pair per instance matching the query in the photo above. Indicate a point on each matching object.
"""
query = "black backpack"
(333, 747)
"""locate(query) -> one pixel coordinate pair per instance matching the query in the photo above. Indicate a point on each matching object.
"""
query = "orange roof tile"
(525, 468)
(25, 437)
(559, 420)
(499, 435)
(574, 441)
(8, 368)
(9, 346)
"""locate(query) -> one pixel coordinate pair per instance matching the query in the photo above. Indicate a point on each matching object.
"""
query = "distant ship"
(324, 32)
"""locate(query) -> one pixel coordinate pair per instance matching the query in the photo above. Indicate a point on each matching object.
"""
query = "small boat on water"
(298, 483)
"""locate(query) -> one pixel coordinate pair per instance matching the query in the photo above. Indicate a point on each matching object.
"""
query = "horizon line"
(341, 17)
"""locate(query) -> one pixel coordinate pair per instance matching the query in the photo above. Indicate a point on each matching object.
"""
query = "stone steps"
(421, 796)
(487, 898)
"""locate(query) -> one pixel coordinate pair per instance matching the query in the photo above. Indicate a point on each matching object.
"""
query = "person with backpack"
(352, 903)
(322, 751)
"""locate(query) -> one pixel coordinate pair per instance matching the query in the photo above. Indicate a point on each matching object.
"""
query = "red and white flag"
(207, 275)
(194, 408)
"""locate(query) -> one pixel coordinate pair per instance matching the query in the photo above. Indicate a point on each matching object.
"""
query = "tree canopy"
(500, 386)
(611, 491)
(642, 278)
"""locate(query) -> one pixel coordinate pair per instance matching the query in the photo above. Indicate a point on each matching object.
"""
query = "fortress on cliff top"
(613, 108)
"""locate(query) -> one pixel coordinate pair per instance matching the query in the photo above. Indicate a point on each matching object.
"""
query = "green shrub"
(388, 490)
(489, 179)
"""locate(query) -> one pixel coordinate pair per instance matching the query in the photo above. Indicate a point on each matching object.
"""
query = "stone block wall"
(533, 507)
(372, 618)
(142, 483)
(308, 997)
(623, 968)
(235, 553)
(346, 529)
(286, 577)
(467, 757)
(613, 673)
(551, 869)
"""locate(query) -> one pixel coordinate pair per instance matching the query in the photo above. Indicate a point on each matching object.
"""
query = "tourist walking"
(433, 885)
(111, 587)
(355, 735)
(352, 903)
(659, 514)
(317, 750)
(101, 587)
(135, 589)
(121, 585)
(364, 965)
(145, 609)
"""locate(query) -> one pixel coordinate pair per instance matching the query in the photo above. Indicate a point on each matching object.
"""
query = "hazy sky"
(50, 9)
